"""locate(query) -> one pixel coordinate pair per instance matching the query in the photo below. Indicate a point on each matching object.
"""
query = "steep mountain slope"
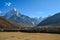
(5, 24)
(15, 16)
(55, 19)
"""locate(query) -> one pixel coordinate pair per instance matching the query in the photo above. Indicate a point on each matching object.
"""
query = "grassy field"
(28, 36)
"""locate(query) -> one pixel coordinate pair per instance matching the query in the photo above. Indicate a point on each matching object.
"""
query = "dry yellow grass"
(28, 36)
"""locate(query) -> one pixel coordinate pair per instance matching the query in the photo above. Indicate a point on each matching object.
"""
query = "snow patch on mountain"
(33, 23)
(15, 9)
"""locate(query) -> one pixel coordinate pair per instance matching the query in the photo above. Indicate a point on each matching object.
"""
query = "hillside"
(55, 19)
(5, 24)
(12, 26)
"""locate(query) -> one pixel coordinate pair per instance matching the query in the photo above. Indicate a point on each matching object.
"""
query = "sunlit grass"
(28, 36)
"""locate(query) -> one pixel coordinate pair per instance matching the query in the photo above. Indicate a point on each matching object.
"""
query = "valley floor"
(28, 36)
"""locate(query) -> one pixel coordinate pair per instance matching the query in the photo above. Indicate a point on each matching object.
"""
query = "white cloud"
(8, 3)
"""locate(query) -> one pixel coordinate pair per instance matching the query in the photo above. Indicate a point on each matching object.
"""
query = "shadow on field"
(52, 30)
(30, 31)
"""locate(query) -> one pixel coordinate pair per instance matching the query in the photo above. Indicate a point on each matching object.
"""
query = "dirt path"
(28, 36)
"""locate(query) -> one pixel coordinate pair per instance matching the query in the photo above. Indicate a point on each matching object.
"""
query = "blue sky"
(32, 8)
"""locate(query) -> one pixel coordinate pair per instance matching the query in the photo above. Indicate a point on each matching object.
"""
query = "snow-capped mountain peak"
(15, 16)
(17, 13)
(12, 12)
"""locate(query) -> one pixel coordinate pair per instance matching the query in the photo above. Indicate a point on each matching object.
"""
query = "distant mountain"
(17, 17)
(41, 19)
(51, 20)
